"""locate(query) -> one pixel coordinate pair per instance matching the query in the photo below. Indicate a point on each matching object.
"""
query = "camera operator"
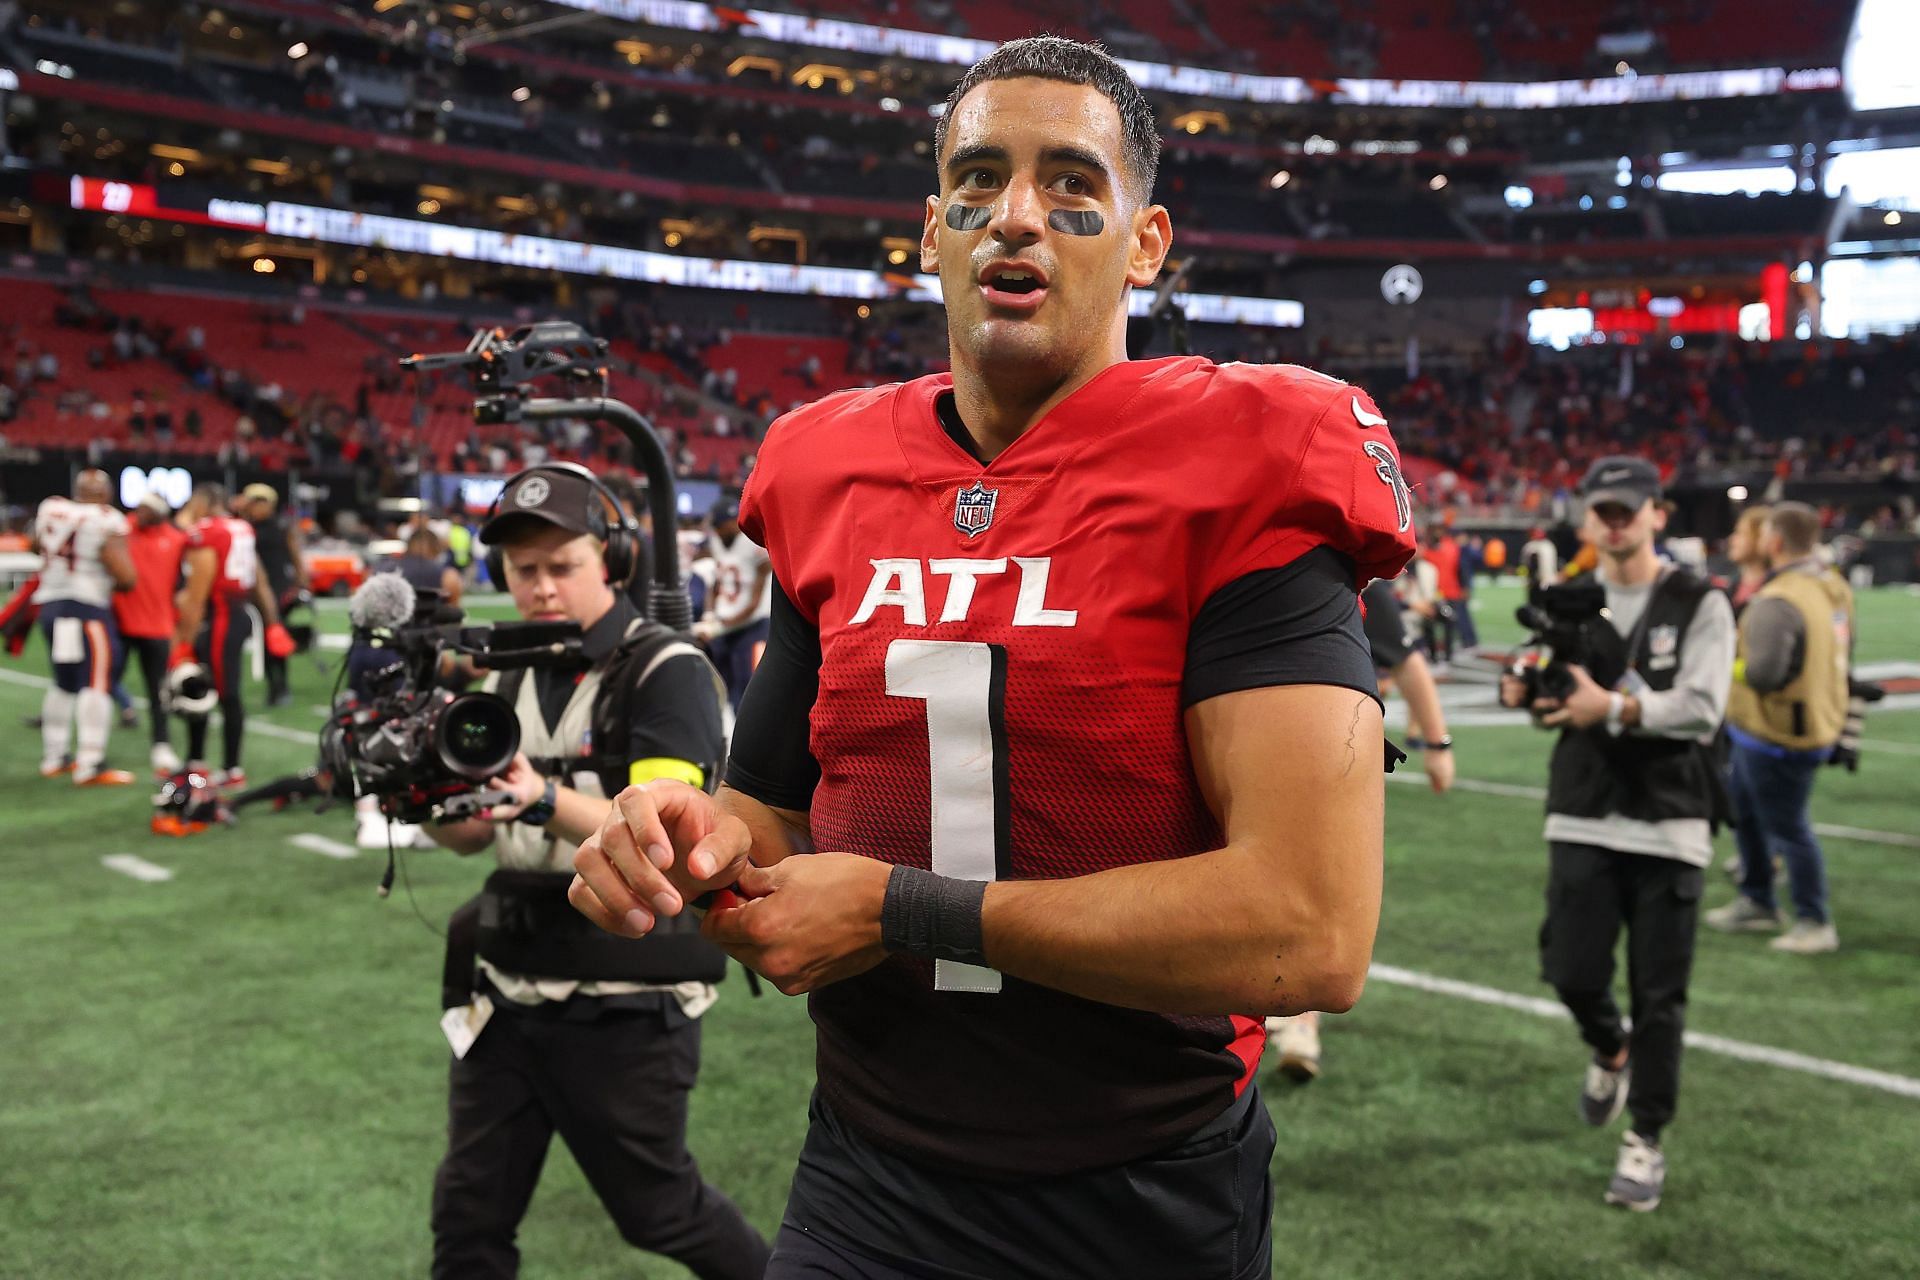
(1790, 710)
(578, 1031)
(1632, 798)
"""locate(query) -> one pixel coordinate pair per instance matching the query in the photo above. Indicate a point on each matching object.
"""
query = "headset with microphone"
(620, 536)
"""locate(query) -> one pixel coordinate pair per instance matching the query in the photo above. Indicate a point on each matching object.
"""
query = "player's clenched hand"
(807, 921)
(661, 845)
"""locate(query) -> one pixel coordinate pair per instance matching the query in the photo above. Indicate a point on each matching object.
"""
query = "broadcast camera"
(1556, 618)
(400, 732)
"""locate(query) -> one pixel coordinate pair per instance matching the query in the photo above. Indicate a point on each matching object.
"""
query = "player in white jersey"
(736, 622)
(83, 541)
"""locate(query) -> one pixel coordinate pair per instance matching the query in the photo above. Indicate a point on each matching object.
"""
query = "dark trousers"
(221, 646)
(735, 655)
(1770, 793)
(151, 653)
(614, 1084)
(1591, 892)
(1202, 1210)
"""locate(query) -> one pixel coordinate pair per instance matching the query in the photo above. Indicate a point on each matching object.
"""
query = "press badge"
(464, 1023)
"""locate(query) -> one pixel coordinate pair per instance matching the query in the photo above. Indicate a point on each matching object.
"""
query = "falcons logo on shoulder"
(1388, 469)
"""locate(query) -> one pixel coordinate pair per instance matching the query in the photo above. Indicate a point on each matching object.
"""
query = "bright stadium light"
(1879, 69)
(1887, 176)
(1737, 493)
(298, 51)
(1749, 180)
(1519, 197)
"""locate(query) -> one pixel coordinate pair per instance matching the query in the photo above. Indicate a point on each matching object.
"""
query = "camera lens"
(476, 736)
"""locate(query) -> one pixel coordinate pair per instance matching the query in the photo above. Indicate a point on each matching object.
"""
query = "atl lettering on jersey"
(1000, 698)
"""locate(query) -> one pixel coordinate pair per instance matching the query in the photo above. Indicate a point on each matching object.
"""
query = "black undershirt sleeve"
(1386, 626)
(1298, 624)
(676, 715)
(772, 761)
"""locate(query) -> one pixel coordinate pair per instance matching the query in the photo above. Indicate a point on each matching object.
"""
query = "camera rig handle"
(501, 364)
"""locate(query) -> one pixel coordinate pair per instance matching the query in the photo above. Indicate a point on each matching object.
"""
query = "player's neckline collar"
(1067, 428)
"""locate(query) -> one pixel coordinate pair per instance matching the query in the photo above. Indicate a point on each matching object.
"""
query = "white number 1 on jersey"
(964, 686)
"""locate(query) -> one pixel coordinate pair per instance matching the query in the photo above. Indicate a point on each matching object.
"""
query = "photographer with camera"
(555, 1024)
(1635, 677)
(1792, 700)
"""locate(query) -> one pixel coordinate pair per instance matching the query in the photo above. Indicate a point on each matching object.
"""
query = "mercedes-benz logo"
(1402, 285)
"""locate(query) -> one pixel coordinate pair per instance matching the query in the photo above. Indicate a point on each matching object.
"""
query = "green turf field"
(237, 1072)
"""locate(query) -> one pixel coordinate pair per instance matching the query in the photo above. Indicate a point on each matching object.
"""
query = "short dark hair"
(1070, 62)
(1798, 526)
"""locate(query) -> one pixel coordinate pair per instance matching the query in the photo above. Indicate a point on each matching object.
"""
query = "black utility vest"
(1596, 775)
(522, 921)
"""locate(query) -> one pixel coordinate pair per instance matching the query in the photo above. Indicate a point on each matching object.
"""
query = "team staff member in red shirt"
(223, 576)
(148, 614)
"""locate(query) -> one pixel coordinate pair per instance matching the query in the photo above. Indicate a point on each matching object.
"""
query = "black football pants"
(1202, 1210)
(1591, 893)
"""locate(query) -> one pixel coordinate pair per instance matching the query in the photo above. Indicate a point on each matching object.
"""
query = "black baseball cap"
(724, 509)
(558, 497)
(1631, 482)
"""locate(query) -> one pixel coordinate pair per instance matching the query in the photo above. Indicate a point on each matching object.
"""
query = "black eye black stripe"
(968, 217)
(1077, 222)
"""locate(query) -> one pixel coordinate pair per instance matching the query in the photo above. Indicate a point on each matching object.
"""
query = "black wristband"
(541, 811)
(1440, 744)
(933, 917)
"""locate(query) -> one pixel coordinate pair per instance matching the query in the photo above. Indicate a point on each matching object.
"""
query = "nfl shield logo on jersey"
(973, 509)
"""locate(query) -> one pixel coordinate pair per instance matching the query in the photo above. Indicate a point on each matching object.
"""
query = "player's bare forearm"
(1279, 920)
(193, 596)
(263, 601)
(119, 562)
(1415, 679)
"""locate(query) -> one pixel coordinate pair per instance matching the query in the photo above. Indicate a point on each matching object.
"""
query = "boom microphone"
(381, 603)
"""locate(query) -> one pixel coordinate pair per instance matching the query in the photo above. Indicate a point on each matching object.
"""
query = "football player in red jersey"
(1067, 680)
(223, 576)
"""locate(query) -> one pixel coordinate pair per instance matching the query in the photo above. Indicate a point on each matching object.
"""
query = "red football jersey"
(1000, 697)
(235, 562)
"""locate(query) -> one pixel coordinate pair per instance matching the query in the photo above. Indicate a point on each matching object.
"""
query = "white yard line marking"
(139, 868)
(1518, 791)
(1785, 1059)
(1890, 747)
(321, 845)
(254, 724)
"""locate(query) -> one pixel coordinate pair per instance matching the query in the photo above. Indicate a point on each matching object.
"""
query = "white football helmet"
(190, 690)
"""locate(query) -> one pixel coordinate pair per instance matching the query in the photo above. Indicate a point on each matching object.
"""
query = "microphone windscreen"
(383, 602)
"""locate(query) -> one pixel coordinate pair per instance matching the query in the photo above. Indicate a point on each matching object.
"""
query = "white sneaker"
(1604, 1095)
(165, 760)
(1742, 915)
(1807, 939)
(1638, 1175)
(1296, 1045)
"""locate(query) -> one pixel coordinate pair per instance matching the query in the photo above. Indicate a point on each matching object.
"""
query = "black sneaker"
(1604, 1095)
